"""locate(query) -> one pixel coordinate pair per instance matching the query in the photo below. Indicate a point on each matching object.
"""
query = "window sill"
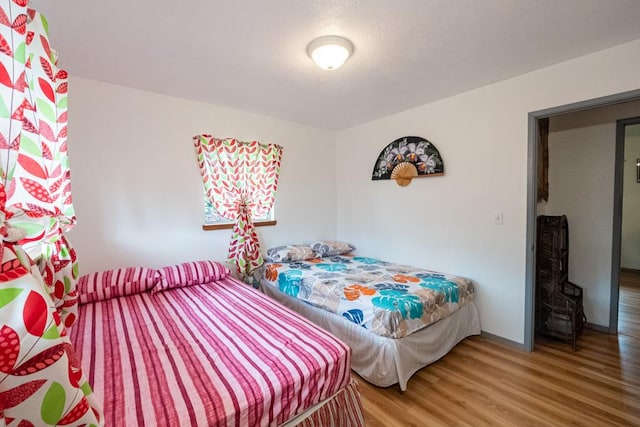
(229, 226)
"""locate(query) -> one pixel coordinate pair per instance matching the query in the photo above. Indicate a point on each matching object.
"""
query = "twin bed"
(189, 345)
(396, 318)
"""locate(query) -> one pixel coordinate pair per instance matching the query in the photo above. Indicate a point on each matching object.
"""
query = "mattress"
(390, 300)
(218, 354)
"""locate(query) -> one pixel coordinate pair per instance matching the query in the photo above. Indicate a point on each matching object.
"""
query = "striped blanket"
(219, 354)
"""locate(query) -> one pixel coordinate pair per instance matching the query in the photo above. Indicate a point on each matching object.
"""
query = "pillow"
(189, 274)
(119, 282)
(325, 248)
(290, 253)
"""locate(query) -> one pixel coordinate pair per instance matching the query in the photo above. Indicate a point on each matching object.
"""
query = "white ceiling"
(251, 54)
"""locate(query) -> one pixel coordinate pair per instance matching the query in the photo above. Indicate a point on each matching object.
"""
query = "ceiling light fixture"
(330, 52)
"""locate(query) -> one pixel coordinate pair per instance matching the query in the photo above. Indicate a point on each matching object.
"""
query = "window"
(239, 181)
(214, 221)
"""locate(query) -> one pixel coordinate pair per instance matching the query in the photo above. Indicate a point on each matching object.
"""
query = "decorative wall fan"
(407, 158)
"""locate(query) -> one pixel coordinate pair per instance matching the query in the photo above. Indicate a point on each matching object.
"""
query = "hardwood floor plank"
(553, 383)
(496, 395)
(485, 382)
(629, 306)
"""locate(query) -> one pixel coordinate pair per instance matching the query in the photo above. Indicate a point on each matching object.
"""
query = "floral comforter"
(389, 299)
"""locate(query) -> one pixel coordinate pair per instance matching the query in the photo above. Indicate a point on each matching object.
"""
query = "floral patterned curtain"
(33, 150)
(543, 159)
(41, 382)
(240, 180)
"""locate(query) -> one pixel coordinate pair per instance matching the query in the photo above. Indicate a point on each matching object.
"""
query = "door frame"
(532, 188)
(618, 197)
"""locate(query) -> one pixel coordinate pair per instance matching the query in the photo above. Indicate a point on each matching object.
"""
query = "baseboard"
(598, 328)
(630, 270)
(519, 346)
(502, 340)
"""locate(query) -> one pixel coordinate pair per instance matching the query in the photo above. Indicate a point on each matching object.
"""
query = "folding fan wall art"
(407, 158)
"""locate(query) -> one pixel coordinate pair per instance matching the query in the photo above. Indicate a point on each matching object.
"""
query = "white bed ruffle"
(386, 361)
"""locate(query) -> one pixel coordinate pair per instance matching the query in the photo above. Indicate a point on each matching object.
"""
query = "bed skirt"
(344, 409)
(393, 360)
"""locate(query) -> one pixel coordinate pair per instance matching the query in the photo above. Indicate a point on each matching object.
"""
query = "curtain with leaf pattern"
(240, 179)
(33, 152)
(41, 382)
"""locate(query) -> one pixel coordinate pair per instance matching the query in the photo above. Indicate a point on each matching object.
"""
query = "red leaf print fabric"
(46, 132)
(35, 355)
(240, 180)
(36, 211)
(19, 394)
(34, 314)
(62, 88)
(11, 271)
(75, 414)
(46, 89)
(5, 78)
(4, 46)
(4, 19)
(40, 361)
(37, 131)
(46, 65)
(32, 166)
(9, 347)
(20, 24)
(36, 190)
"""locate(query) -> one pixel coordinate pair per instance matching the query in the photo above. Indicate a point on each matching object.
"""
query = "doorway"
(532, 202)
(627, 306)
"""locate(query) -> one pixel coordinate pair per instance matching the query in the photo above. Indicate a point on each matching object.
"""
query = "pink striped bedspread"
(218, 354)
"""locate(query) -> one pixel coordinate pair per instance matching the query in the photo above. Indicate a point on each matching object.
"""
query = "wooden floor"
(629, 305)
(484, 382)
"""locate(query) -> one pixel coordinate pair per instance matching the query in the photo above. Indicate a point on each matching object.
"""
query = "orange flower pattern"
(403, 278)
(354, 291)
(271, 272)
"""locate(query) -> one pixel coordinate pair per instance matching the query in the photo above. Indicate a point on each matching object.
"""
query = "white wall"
(630, 245)
(581, 180)
(137, 189)
(447, 223)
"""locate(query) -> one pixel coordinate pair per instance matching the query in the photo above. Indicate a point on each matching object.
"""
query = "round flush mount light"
(330, 52)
